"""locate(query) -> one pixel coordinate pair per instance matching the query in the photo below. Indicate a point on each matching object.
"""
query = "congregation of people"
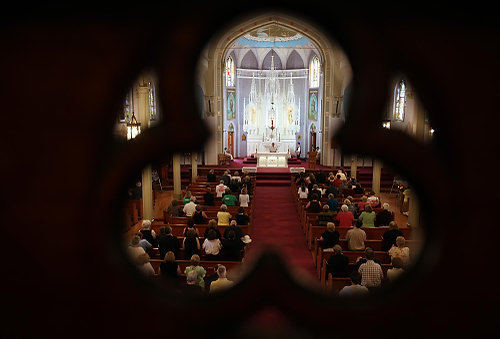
(212, 245)
(339, 209)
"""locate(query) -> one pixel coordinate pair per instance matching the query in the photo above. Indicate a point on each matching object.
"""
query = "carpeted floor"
(276, 224)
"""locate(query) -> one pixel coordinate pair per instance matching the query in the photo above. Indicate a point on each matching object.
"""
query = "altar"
(272, 159)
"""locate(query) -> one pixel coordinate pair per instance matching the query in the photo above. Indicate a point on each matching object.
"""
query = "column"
(194, 166)
(147, 181)
(413, 210)
(354, 166)
(377, 169)
(177, 175)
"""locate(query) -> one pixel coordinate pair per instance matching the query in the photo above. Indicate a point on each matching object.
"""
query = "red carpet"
(276, 224)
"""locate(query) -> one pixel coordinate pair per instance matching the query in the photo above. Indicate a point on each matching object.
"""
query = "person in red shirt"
(337, 182)
(361, 204)
(345, 218)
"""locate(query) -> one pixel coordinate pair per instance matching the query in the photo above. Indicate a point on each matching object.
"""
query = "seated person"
(330, 237)
(168, 267)
(191, 244)
(211, 177)
(146, 245)
(229, 199)
(190, 207)
(320, 177)
(384, 217)
(400, 250)
(389, 237)
(220, 189)
(235, 185)
(314, 206)
(303, 192)
(369, 255)
(236, 177)
(147, 233)
(315, 190)
(212, 225)
(226, 178)
(367, 217)
(244, 197)
(208, 197)
(190, 226)
(199, 270)
(211, 246)
(326, 216)
(355, 289)
(235, 228)
(222, 282)
(356, 238)
(232, 247)
(191, 286)
(175, 208)
(332, 203)
(331, 189)
(350, 206)
(344, 217)
(241, 218)
(396, 270)
(342, 174)
(223, 216)
(348, 190)
(167, 242)
(199, 216)
(187, 198)
(209, 278)
(362, 203)
(337, 181)
(373, 200)
(337, 263)
(143, 264)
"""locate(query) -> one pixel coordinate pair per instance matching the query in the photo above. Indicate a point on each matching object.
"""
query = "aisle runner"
(275, 222)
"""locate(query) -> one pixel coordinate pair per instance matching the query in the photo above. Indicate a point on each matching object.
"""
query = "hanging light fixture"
(133, 128)
(386, 124)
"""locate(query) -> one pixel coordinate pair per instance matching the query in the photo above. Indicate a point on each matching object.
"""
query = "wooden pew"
(178, 229)
(350, 268)
(323, 255)
(207, 265)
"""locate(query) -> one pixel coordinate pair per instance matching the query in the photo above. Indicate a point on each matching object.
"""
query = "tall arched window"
(152, 101)
(400, 101)
(128, 108)
(314, 72)
(229, 72)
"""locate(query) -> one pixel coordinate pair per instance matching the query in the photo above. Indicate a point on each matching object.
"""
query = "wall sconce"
(386, 124)
(431, 131)
(133, 128)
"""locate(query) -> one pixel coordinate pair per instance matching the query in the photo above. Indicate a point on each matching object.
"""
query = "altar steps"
(273, 178)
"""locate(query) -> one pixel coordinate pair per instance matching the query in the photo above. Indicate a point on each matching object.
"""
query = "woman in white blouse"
(212, 245)
(244, 198)
(303, 192)
(400, 250)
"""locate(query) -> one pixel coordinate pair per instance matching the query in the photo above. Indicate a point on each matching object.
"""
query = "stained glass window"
(128, 107)
(400, 101)
(314, 72)
(229, 72)
(152, 101)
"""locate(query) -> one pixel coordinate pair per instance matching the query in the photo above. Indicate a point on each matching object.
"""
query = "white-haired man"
(384, 217)
(221, 283)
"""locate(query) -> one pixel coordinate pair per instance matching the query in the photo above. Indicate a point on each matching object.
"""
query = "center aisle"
(276, 222)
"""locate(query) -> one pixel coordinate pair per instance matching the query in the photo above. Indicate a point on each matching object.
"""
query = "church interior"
(302, 169)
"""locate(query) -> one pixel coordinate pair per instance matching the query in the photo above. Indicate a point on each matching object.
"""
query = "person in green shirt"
(367, 217)
(228, 199)
(187, 198)
(195, 267)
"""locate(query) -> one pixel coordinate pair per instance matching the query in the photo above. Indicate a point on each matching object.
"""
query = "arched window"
(400, 101)
(128, 107)
(229, 72)
(152, 101)
(314, 72)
